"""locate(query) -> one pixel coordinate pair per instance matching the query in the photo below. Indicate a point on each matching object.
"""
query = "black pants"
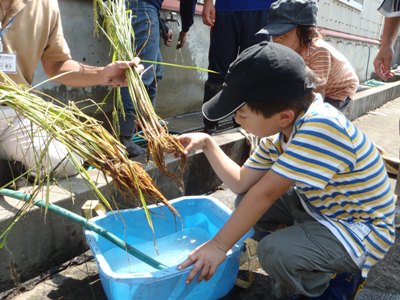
(233, 32)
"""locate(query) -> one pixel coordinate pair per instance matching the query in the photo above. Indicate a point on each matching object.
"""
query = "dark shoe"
(343, 286)
(132, 149)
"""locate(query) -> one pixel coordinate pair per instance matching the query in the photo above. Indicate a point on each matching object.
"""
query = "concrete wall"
(356, 32)
(77, 18)
(360, 55)
(341, 16)
(181, 90)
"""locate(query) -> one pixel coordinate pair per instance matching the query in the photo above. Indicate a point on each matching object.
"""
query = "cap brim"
(220, 106)
(275, 29)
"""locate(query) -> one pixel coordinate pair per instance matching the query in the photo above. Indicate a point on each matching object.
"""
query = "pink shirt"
(333, 68)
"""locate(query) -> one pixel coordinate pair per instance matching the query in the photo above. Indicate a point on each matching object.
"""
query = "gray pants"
(302, 257)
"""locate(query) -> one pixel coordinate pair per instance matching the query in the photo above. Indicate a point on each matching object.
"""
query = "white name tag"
(8, 63)
(360, 229)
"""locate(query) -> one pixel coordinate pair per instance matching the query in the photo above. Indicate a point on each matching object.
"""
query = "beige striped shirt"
(333, 68)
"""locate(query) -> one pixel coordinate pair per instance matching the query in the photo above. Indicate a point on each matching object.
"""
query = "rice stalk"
(117, 27)
(85, 137)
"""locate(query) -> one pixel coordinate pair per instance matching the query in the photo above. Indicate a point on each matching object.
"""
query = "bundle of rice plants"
(84, 137)
(117, 27)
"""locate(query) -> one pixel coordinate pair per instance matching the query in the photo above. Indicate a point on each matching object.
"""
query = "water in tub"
(173, 249)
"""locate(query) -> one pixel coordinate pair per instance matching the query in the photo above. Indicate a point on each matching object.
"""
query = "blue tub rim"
(157, 274)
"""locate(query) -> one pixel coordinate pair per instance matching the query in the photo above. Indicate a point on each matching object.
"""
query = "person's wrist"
(206, 142)
(219, 246)
(386, 43)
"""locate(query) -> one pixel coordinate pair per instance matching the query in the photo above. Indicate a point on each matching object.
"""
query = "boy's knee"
(272, 255)
(268, 253)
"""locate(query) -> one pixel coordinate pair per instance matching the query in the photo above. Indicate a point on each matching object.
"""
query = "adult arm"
(383, 60)
(81, 75)
(208, 13)
(186, 9)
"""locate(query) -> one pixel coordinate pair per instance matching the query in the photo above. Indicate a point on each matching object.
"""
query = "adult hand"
(208, 13)
(205, 260)
(382, 62)
(168, 38)
(193, 141)
(114, 74)
(181, 39)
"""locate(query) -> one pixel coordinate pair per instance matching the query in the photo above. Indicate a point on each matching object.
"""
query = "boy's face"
(256, 123)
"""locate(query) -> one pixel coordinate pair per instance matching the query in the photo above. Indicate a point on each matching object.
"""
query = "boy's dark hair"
(269, 108)
(267, 75)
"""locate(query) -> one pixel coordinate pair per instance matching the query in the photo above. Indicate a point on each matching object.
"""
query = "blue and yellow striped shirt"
(340, 178)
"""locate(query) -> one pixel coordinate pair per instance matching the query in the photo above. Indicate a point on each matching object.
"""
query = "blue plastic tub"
(125, 277)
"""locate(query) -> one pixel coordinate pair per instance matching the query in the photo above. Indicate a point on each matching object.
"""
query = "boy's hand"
(205, 260)
(193, 141)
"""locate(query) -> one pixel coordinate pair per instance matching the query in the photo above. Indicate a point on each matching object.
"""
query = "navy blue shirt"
(187, 8)
(238, 5)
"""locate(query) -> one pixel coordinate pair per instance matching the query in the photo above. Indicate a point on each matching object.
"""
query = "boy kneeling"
(314, 171)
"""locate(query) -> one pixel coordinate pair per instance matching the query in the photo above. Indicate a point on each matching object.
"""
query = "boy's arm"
(256, 202)
(238, 179)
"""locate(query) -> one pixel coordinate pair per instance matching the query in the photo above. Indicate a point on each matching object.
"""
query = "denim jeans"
(147, 43)
(233, 32)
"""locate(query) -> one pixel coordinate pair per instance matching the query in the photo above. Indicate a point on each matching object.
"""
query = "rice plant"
(84, 137)
(116, 25)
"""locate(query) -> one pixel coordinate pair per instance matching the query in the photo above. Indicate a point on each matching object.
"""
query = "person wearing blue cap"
(314, 172)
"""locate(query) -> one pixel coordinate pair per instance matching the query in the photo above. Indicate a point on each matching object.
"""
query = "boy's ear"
(287, 117)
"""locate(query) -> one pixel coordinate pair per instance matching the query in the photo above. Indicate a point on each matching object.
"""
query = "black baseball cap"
(263, 72)
(284, 15)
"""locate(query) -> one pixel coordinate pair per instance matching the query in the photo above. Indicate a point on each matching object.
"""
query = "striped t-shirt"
(340, 177)
(340, 79)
